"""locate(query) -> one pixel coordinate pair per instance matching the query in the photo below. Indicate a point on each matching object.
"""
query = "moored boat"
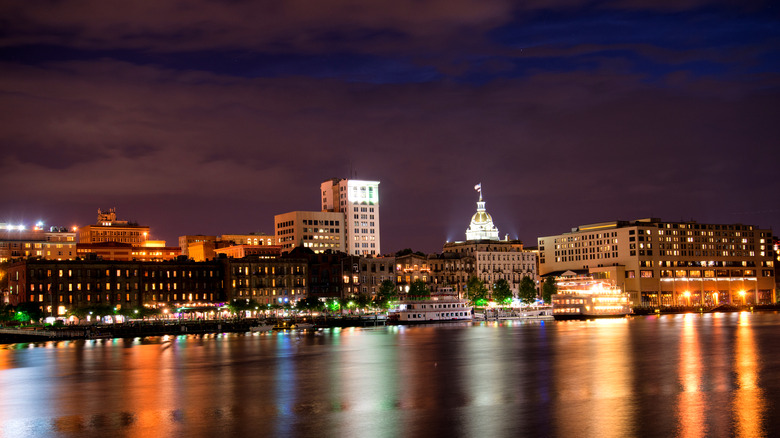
(441, 307)
(263, 327)
(586, 297)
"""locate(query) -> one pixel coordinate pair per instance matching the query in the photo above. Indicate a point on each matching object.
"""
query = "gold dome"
(481, 217)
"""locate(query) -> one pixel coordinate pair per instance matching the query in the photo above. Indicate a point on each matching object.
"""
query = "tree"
(386, 294)
(29, 310)
(96, 311)
(332, 305)
(362, 301)
(346, 303)
(310, 304)
(502, 294)
(130, 312)
(419, 289)
(476, 291)
(527, 291)
(549, 288)
(240, 306)
(6, 312)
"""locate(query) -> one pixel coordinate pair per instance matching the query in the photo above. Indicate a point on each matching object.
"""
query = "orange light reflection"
(749, 405)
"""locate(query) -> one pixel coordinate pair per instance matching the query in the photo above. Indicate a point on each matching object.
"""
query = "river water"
(672, 375)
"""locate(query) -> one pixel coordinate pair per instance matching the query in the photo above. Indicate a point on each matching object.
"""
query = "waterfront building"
(358, 201)
(59, 286)
(325, 273)
(373, 271)
(451, 270)
(484, 255)
(776, 247)
(280, 280)
(662, 263)
(319, 231)
(411, 267)
(109, 229)
(53, 243)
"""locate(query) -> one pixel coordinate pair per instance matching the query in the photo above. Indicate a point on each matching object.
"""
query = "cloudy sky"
(213, 116)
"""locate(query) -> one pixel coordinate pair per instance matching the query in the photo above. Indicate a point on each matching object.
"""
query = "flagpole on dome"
(478, 188)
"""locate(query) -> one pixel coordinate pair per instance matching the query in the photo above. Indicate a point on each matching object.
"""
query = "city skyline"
(213, 119)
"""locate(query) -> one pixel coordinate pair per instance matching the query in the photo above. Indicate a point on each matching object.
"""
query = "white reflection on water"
(484, 375)
(691, 408)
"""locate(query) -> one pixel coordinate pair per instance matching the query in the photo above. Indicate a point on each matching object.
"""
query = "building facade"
(59, 286)
(358, 201)
(241, 251)
(127, 252)
(663, 263)
(374, 271)
(452, 270)
(109, 229)
(275, 281)
(200, 247)
(319, 231)
(54, 243)
(189, 240)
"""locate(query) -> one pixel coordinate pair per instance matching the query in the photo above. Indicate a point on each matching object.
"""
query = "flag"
(478, 187)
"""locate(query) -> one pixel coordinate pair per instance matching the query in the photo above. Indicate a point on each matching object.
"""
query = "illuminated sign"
(359, 192)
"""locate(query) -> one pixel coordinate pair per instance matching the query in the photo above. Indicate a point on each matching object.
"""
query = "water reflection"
(749, 406)
(690, 410)
(685, 375)
(593, 380)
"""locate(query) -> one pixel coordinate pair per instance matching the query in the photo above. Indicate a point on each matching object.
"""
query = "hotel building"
(669, 263)
(358, 201)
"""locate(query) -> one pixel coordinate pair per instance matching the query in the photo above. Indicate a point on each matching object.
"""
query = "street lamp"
(742, 294)
(687, 296)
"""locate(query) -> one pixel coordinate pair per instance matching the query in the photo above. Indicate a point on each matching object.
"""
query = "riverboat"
(586, 297)
(441, 307)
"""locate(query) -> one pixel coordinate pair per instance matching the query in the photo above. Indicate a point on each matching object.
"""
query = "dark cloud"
(211, 117)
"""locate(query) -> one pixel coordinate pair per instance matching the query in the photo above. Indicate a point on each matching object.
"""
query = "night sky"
(210, 117)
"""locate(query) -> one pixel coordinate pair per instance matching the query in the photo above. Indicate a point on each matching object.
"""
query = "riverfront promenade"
(37, 333)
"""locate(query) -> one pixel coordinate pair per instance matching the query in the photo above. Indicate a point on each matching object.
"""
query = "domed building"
(481, 227)
(484, 255)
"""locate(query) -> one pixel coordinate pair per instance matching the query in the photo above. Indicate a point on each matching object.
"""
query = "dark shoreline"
(32, 334)
(163, 328)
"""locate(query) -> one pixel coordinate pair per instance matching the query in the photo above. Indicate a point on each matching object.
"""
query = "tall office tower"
(359, 202)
